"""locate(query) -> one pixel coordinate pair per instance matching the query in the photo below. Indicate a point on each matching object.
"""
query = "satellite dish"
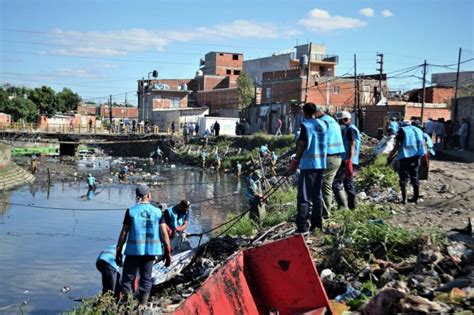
(155, 74)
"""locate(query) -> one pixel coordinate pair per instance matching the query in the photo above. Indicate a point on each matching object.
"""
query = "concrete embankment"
(11, 175)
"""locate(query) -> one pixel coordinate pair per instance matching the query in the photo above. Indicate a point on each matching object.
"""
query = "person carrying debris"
(273, 164)
(238, 169)
(334, 157)
(254, 193)
(393, 127)
(145, 235)
(264, 151)
(344, 180)
(310, 155)
(408, 150)
(109, 270)
(34, 163)
(91, 182)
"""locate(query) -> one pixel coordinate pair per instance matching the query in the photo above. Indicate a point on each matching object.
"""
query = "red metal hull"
(275, 278)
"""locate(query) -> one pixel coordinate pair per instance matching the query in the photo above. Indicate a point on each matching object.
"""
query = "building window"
(221, 54)
(228, 71)
(235, 57)
(268, 93)
(174, 102)
(335, 90)
(236, 72)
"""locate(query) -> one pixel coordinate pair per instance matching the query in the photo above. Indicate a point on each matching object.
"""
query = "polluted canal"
(50, 238)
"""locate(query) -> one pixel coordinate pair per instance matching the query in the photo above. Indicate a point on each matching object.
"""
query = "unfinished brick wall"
(218, 99)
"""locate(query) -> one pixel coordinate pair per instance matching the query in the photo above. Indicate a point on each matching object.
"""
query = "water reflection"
(57, 246)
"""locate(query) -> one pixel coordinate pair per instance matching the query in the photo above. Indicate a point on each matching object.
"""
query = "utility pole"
(110, 109)
(143, 98)
(455, 109)
(423, 99)
(356, 91)
(380, 70)
(307, 73)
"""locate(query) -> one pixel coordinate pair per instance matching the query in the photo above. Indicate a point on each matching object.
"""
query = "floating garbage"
(65, 289)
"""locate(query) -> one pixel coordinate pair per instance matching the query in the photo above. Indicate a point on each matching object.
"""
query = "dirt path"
(447, 198)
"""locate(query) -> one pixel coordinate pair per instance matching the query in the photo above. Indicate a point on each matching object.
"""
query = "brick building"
(5, 119)
(155, 95)
(216, 83)
(433, 94)
(288, 86)
(103, 111)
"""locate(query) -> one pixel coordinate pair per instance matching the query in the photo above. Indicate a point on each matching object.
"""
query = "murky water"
(44, 250)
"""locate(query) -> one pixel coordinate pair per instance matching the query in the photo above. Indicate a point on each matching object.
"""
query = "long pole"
(455, 109)
(380, 77)
(424, 92)
(356, 90)
(143, 98)
(110, 109)
(307, 73)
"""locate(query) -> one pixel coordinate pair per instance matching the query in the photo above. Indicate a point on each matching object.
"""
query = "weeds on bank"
(104, 304)
(377, 176)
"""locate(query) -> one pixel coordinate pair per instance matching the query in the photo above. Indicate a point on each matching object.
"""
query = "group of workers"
(326, 153)
(146, 237)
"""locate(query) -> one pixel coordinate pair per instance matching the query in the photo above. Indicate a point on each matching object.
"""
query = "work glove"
(118, 257)
(349, 168)
(167, 256)
(293, 166)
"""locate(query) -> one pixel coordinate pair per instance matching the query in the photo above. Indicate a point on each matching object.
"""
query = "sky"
(100, 48)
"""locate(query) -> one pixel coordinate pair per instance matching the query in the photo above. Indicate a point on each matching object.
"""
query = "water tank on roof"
(184, 87)
(202, 62)
(304, 60)
(199, 73)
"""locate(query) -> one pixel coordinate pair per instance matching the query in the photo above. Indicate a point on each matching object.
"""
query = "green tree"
(3, 100)
(67, 100)
(245, 90)
(45, 100)
(21, 108)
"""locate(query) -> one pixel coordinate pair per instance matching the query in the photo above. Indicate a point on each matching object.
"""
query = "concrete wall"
(466, 110)
(5, 155)
(256, 67)
(449, 78)
(227, 125)
(164, 118)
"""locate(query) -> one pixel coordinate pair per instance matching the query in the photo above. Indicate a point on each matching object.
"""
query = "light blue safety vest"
(108, 255)
(429, 143)
(412, 143)
(177, 219)
(314, 157)
(263, 149)
(239, 166)
(355, 158)
(91, 180)
(274, 157)
(144, 235)
(393, 125)
(252, 185)
(335, 143)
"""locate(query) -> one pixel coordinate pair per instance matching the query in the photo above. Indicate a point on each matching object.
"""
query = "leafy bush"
(377, 176)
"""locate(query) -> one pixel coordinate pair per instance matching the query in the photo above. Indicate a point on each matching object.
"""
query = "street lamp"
(144, 109)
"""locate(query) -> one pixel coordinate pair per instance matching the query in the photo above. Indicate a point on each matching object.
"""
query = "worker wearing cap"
(145, 234)
(311, 154)
(91, 182)
(334, 157)
(408, 150)
(344, 180)
(392, 127)
(254, 193)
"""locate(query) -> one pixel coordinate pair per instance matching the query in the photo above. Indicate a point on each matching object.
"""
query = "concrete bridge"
(117, 144)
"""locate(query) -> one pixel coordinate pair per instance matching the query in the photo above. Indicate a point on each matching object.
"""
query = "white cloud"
(367, 12)
(387, 13)
(82, 73)
(318, 20)
(120, 43)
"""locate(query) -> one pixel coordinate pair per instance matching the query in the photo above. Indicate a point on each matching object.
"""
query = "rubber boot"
(341, 199)
(403, 189)
(143, 298)
(416, 194)
(352, 201)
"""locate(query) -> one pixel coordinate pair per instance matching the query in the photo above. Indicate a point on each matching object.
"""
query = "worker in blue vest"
(311, 156)
(343, 185)
(334, 157)
(177, 217)
(91, 182)
(408, 150)
(145, 233)
(264, 151)
(109, 269)
(254, 193)
(238, 169)
(392, 127)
